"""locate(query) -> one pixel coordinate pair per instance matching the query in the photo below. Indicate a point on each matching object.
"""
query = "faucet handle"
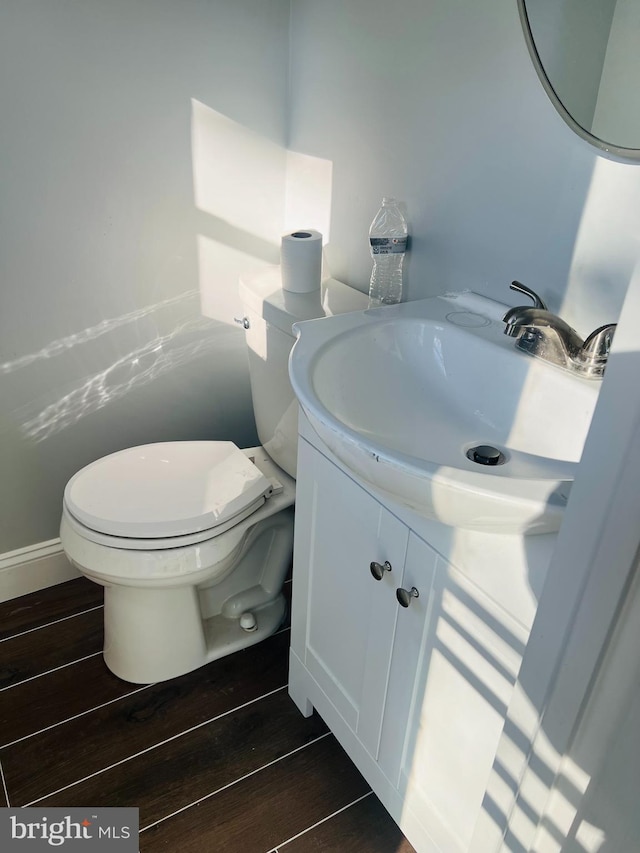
(598, 344)
(522, 288)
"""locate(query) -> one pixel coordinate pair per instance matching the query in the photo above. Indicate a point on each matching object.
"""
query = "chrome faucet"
(545, 335)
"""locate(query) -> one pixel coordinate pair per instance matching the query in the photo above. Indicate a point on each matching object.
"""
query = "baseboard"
(32, 568)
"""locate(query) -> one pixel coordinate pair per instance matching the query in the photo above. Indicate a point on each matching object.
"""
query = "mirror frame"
(631, 155)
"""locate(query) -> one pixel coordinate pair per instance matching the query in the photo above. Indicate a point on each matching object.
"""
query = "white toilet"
(192, 540)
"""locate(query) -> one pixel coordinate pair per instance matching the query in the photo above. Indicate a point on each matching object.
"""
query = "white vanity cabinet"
(416, 695)
(345, 620)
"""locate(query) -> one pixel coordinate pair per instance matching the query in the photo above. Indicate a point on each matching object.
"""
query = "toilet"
(192, 540)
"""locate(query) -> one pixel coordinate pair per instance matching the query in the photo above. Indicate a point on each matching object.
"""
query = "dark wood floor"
(217, 760)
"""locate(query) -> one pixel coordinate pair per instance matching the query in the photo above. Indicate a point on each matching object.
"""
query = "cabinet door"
(346, 639)
(410, 648)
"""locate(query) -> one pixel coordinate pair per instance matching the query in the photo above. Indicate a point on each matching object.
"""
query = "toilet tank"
(269, 313)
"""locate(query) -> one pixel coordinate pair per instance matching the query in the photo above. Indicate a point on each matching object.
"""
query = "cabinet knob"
(404, 596)
(378, 569)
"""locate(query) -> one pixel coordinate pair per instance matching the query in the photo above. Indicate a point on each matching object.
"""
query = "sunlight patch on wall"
(68, 342)
(548, 794)
(591, 838)
(626, 337)
(238, 174)
(606, 248)
(163, 354)
(248, 191)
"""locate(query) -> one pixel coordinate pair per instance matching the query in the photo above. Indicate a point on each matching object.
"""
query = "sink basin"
(403, 394)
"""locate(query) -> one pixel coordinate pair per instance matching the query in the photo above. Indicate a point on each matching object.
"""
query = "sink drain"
(485, 454)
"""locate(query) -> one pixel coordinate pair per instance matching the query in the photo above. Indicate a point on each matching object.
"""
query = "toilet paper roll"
(301, 261)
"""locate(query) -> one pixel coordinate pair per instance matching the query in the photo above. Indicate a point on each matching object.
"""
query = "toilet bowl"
(192, 542)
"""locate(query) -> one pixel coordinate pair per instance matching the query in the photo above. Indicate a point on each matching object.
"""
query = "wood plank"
(43, 649)
(365, 827)
(119, 730)
(47, 605)
(56, 696)
(260, 812)
(191, 766)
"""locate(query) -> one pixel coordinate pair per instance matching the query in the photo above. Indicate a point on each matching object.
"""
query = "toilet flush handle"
(242, 321)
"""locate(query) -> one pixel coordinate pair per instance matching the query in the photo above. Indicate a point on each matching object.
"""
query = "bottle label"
(388, 245)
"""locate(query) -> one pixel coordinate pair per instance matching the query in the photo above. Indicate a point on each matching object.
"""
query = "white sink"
(401, 393)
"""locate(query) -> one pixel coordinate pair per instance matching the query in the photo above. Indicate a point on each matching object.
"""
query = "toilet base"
(145, 659)
(156, 633)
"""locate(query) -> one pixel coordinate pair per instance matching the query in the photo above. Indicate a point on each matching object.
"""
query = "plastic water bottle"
(388, 244)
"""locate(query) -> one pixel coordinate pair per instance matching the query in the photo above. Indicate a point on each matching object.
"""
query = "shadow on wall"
(578, 796)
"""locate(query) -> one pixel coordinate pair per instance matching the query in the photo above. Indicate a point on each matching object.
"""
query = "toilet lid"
(166, 489)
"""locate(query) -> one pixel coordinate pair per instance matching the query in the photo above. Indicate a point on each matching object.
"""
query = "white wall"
(437, 103)
(108, 228)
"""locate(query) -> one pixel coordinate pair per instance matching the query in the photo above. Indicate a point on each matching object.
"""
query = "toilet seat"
(165, 495)
(192, 559)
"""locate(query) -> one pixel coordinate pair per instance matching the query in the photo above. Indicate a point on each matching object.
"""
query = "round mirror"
(587, 57)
